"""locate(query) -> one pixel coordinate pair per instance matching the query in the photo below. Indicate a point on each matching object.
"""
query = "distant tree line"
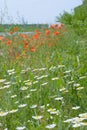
(22, 27)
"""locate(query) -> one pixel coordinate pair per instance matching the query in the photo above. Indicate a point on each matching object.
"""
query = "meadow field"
(43, 79)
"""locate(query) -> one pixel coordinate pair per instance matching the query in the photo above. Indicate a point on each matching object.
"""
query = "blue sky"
(34, 11)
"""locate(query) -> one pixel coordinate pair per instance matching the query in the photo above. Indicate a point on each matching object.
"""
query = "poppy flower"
(32, 49)
(56, 33)
(15, 29)
(55, 25)
(35, 36)
(52, 26)
(47, 32)
(11, 32)
(8, 42)
(49, 45)
(1, 38)
(26, 46)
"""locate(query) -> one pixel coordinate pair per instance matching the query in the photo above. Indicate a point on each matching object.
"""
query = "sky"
(34, 11)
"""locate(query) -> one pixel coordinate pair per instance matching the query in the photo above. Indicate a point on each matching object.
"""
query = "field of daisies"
(43, 80)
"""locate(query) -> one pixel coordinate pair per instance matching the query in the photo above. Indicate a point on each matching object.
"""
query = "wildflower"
(71, 82)
(53, 96)
(74, 120)
(2, 80)
(6, 129)
(76, 85)
(26, 46)
(50, 126)
(7, 83)
(42, 107)
(61, 66)
(54, 26)
(13, 96)
(35, 70)
(35, 82)
(62, 89)
(49, 45)
(1, 38)
(23, 88)
(82, 77)
(10, 71)
(60, 26)
(28, 83)
(53, 111)
(56, 33)
(32, 49)
(76, 125)
(28, 121)
(55, 78)
(47, 32)
(28, 96)
(15, 29)
(16, 102)
(84, 115)
(52, 68)
(35, 36)
(22, 105)
(13, 111)
(59, 98)
(48, 105)
(3, 113)
(76, 108)
(33, 106)
(68, 120)
(37, 117)
(41, 77)
(20, 128)
(33, 90)
(68, 71)
(1, 124)
(40, 69)
(11, 32)
(77, 120)
(41, 43)
(4, 87)
(44, 84)
(8, 42)
(84, 123)
(79, 88)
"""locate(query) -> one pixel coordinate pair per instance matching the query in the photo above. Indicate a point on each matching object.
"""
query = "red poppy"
(60, 26)
(15, 29)
(35, 36)
(26, 46)
(1, 38)
(8, 42)
(49, 45)
(24, 35)
(56, 33)
(32, 49)
(47, 32)
(54, 26)
(11, 32)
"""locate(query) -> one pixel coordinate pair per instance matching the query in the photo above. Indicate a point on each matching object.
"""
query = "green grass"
(49, 82)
